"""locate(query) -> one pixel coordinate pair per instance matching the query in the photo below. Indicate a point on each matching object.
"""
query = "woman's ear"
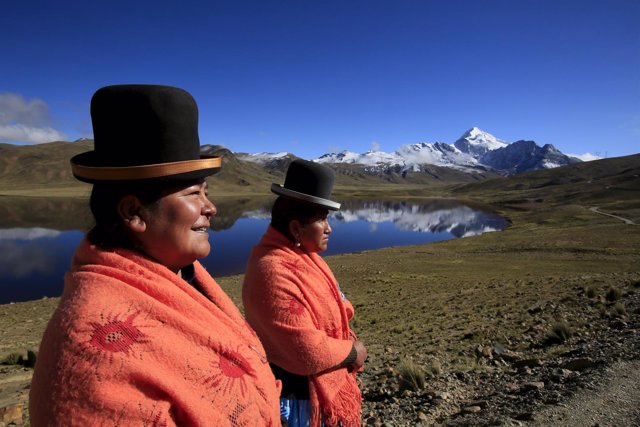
(295, 229)
(129, 209)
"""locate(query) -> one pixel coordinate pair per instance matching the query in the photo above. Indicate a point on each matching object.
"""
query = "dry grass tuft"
(412, 375)
(619, 310)
(613, 294)
(12, 359)
(560, 333)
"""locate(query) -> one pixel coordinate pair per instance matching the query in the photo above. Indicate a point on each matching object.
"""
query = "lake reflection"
(35, 253)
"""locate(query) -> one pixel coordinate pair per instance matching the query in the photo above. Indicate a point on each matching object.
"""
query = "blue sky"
(312, 77)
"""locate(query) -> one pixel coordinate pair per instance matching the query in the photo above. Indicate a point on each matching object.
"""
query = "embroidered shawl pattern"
(131, 343)
(293, 302)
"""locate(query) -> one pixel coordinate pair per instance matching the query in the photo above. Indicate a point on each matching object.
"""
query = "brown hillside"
(42, 164)
(44, 169)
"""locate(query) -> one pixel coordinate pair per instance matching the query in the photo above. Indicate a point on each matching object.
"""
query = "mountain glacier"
(476, 150)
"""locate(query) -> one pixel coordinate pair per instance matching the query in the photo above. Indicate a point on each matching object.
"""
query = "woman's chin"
(202, 252)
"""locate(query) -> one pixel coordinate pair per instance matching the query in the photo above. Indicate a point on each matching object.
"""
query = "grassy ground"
(436, 303)
(424, 299)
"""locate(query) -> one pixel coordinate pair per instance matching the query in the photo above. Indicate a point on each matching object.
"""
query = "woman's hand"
(361, 350)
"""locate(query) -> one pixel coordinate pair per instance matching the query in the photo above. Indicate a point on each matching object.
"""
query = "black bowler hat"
(143, 132)
(308, 182)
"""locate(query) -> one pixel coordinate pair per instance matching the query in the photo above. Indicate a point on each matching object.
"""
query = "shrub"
(590, 292)
(613, 294)
(436, 368)
(12, 359)
(412, 376)
(619, 309)
(560, 332)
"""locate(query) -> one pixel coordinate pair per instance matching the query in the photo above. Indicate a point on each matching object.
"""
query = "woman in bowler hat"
(143, 335)
(294, 303)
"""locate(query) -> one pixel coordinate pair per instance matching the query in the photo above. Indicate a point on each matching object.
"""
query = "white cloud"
(29, 135)
(25, 121)
(375, 146)
(586, 157)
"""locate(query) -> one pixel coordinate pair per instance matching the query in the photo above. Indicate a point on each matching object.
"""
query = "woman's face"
(314, 235)
(176, 231)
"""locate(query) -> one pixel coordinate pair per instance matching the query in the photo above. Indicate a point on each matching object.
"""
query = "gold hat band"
(127, 173)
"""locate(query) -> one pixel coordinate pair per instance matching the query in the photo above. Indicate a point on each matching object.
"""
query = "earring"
(297, 243)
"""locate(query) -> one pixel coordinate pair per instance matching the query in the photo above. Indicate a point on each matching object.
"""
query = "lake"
(39, 236)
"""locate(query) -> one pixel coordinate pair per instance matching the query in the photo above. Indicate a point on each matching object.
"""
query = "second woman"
(294, 303)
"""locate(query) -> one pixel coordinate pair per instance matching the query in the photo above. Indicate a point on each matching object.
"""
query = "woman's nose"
(209, 209)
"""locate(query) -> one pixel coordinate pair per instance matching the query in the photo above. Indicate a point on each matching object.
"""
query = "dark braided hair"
(108, 231)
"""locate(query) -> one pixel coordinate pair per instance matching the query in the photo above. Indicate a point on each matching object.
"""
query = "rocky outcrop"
(511, 388)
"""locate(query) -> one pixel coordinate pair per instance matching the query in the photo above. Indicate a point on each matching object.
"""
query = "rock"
(534, 310)
(512, 387)
(579, 364)
(498, 349)
(527, 363)
(560, 375)
(471, 410)
(509, 356)
(389, 371)
(12, 414)
(406, 393)
(618, 324)
(442, 395)
(484, 351)
(524, 416)
(481, 403)
(487, 352)
(534, 385)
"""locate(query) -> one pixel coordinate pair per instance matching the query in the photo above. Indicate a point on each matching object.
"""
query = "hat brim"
(281, 191)
(82, 169)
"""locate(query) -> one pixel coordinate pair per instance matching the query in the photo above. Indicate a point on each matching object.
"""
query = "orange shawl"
(293, 301)
(131, 343)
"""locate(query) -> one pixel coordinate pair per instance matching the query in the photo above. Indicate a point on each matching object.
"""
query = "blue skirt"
(296, 412)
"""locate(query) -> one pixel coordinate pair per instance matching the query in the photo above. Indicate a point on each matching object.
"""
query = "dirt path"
(625, 220)
(614, 402)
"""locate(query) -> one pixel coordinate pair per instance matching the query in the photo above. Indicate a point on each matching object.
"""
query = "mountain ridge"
(474, 149)
(475, 156)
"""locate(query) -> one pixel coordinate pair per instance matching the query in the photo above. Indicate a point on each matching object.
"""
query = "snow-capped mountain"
(476, 150)
(438, 153)
(270, 160)
(523, 156)
(478, 143)
(370, 158)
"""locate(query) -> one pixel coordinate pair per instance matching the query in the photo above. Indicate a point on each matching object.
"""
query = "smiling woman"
(168, 222)
(136, 299)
